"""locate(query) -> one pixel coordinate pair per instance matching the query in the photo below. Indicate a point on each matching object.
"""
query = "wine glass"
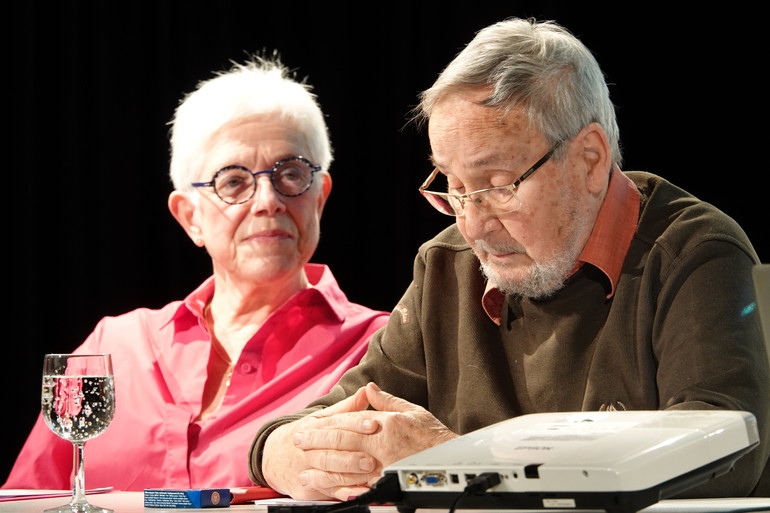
(78, 403)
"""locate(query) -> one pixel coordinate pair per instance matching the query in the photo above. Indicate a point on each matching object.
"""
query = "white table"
(133, 502)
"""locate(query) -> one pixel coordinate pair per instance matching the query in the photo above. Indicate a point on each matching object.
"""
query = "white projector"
(617, 461)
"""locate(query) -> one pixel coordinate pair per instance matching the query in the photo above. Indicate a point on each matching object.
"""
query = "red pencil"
(252, 493)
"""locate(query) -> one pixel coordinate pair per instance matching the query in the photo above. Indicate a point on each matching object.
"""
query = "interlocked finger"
(341, 462)
(331, 439)
(336, 484)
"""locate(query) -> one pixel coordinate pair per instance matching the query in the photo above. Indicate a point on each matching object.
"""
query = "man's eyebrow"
(481, 162)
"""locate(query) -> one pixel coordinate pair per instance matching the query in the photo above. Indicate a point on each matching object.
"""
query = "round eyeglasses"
(494, 200)
(290, 177)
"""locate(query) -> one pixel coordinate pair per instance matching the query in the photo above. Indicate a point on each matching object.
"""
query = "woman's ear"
(326, 189)
(183, 209)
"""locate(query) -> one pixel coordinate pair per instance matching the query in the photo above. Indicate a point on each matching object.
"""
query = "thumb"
(356, 402)
(383, 401)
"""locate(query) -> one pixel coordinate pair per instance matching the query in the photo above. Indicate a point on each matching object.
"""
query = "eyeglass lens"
(237, 184)
(492, 201)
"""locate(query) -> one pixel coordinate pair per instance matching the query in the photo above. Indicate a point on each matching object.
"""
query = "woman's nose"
(266, 199)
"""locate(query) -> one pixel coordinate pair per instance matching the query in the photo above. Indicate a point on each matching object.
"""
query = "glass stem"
(78, 475)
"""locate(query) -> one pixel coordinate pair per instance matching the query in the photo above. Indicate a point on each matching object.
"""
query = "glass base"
(82, 507)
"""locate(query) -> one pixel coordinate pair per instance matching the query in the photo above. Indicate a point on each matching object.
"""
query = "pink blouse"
(160, 360)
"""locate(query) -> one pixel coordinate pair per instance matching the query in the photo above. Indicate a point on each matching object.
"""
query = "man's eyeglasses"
(290, 177)
(494, 200)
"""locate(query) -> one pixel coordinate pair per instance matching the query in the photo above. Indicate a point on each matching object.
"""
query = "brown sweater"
(676, 334)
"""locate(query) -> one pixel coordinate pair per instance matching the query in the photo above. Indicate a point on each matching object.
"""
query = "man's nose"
(477, 222)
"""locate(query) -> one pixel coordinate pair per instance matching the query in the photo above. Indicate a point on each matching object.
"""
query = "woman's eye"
(231, 182)
(290, 174)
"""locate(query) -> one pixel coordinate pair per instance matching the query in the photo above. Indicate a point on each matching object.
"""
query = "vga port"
(434, 478)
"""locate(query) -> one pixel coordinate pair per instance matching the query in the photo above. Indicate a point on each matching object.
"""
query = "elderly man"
(565, 284)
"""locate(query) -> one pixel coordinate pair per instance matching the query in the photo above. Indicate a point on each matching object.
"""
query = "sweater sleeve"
(708, 343)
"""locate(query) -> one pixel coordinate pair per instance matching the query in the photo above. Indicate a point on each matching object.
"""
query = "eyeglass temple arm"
(534, 168)
(427, 182)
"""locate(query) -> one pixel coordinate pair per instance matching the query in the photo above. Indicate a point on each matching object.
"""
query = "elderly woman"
(262, 337)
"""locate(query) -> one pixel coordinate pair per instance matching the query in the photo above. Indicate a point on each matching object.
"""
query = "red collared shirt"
(160, 360)
(606, 246)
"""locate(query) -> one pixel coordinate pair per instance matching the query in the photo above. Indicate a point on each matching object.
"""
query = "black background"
(94, 85)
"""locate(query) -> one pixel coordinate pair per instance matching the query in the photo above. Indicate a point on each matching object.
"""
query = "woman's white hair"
(258, 86)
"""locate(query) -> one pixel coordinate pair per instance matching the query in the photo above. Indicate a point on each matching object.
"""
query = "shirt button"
(246, 368)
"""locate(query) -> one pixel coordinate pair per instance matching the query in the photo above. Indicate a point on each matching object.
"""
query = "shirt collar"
(607, 245)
